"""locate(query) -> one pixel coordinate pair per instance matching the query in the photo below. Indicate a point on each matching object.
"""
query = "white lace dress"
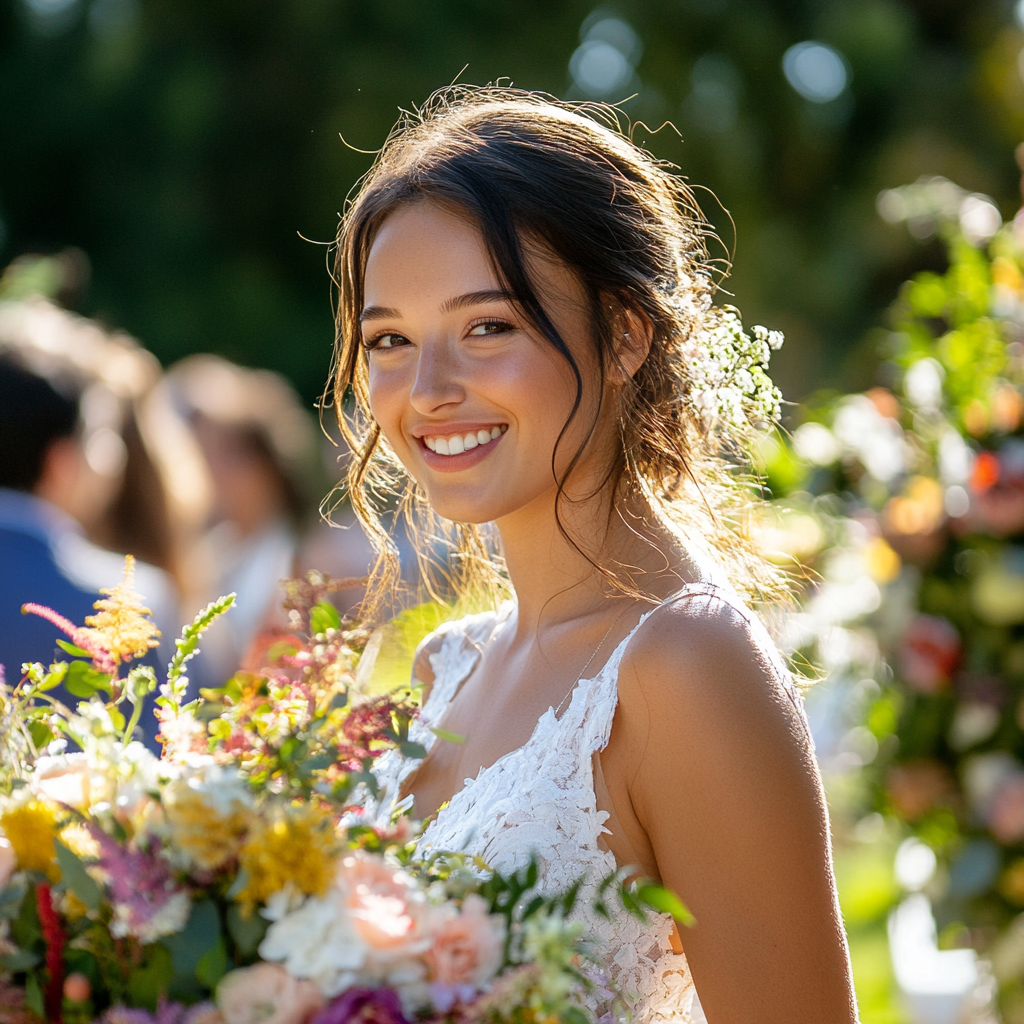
(539, 800)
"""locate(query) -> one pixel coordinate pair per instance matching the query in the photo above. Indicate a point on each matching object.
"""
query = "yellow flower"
(30, 828)
(121, 620)
(207, 837)
(297, 845)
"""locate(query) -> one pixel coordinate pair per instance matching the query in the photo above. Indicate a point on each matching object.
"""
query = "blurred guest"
(75, 469)
(260, 446)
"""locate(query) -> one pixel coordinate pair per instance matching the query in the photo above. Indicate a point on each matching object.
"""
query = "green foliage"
(186, 647)
(76, 879)
(194, 949)
(82, 680)
(324, 616)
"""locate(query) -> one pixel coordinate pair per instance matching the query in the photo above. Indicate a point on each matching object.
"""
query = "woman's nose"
(437, 379)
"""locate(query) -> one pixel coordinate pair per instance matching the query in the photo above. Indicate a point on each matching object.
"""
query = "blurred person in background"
(260, 447)
(92, 462)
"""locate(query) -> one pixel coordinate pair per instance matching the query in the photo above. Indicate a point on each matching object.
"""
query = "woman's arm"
(725, 785)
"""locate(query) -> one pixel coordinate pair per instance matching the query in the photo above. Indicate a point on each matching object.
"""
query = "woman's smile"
(449, 448)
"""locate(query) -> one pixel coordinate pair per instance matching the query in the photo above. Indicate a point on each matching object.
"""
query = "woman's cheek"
(387, 406)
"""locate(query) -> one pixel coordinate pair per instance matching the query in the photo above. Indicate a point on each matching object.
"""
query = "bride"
(525, 324)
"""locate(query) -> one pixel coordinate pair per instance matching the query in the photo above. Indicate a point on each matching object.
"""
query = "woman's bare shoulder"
(704, 660)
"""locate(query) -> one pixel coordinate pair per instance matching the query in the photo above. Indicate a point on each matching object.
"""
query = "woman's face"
(470, 397)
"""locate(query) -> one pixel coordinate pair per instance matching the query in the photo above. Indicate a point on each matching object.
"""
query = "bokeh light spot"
(598, 68)
(816, 71)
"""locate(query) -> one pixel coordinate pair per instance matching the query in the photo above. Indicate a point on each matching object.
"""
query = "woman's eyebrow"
(476, 298)
(449, 305)
(379, 313)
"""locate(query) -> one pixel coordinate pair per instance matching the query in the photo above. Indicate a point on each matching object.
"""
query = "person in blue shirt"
(45, 556)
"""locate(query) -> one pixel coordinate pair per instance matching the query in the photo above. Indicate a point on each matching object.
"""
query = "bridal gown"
(539, 800)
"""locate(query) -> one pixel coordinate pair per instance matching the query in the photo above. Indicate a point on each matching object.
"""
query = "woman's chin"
(474, 510)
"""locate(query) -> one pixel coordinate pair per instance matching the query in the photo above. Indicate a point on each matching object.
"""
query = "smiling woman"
(525, 323)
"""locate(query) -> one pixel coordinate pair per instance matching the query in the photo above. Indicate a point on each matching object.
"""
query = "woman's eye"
(386, 341)
(490, 327)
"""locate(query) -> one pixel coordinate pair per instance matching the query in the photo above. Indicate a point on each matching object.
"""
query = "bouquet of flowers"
(223, 882)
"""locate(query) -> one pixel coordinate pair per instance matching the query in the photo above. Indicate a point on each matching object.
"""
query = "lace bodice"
(539, 800)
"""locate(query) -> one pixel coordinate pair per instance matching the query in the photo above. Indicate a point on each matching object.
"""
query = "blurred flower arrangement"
(224, 882)
(908, 503)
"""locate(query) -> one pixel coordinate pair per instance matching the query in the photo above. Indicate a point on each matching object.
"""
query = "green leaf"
(150, 982)
(213, 965)
(200, 935)
(282, 649)
(76, 878)
(82, 680)
(40, 732)
(54, 677)
(75, 652)
(10, 898)
(666, 902)
(117, 719)
(444, 734)
(25, 928)
(537, 903)
(20, 960)
(573, 1015)
(338, 701)
(219, 728)
(532, 874)
(246, 932)
(322, 617)
(416, 750)
(34, 996)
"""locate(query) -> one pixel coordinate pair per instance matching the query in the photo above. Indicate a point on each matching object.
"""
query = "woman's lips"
(456, 463)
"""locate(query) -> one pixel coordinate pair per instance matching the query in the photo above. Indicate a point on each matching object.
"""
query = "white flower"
(168, 920)
(318, 941)
(222, 787)
(727, 370)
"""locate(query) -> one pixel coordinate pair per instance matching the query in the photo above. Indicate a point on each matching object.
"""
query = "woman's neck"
(556, 579)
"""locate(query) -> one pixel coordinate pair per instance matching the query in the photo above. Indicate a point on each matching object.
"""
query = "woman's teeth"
(459, 443)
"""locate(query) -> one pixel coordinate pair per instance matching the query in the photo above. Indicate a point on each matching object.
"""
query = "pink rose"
(1006, 818)
(929, 654)
(267, 994)
(386, 907)
(467, 949)
(65, 779)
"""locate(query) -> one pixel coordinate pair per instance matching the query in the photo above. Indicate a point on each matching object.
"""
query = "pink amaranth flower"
(87, 639)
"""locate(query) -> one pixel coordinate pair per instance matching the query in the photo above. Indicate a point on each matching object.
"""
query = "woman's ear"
(634, 333)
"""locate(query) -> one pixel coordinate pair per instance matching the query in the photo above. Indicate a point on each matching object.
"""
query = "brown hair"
(524, 166)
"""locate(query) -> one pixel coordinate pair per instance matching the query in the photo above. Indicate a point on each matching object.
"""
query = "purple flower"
(362, 1006)
(166, 1013)
(444, 997)
(147, 903)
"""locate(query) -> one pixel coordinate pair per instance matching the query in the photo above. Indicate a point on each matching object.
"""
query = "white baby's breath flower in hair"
(728, 372)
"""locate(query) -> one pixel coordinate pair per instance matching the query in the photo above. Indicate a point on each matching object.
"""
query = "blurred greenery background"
(189, 149)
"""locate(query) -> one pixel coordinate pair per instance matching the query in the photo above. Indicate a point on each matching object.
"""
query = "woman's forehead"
(426, 252)
(422, 245)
